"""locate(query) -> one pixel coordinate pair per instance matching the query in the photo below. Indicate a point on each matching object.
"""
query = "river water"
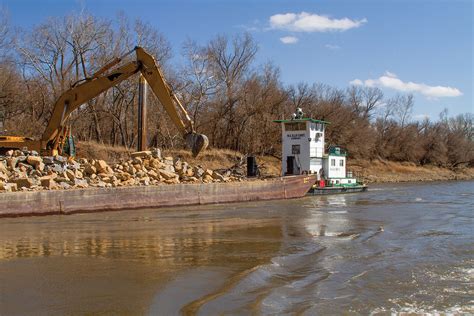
(404, 248)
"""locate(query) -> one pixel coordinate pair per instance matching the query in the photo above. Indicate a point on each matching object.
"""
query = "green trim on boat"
(302, 120)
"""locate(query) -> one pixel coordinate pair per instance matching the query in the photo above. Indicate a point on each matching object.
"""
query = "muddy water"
(397, 248)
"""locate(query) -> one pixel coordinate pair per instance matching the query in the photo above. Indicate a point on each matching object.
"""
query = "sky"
(401, 46)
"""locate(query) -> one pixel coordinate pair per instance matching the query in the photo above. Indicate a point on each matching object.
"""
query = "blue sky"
(419, 46)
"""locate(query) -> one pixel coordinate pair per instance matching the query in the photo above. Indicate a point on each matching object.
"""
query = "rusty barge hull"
(130, 198)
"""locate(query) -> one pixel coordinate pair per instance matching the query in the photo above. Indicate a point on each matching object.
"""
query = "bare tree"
(403, 108)
(364, 100)
(229, 61)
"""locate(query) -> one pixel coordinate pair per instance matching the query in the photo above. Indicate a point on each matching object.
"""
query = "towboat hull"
(337, 190)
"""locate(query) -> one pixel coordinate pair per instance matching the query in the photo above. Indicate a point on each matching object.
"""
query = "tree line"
(232, 99)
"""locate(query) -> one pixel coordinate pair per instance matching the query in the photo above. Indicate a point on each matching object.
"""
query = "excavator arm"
(106, 78)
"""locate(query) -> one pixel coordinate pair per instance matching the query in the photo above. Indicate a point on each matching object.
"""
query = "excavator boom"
(104, 79)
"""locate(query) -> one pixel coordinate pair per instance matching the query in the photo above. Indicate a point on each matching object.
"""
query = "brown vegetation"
(231, 99)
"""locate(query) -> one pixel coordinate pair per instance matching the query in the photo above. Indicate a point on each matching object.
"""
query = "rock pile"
(27, 171)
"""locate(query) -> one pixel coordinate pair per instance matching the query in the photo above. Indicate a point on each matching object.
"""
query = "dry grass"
(210, 158)
(93, 150)
(214, 159)
(390, 171)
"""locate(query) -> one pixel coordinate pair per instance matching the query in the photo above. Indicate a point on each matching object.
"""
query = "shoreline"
(380, 171)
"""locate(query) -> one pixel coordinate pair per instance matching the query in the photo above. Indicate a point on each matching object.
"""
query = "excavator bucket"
(196, 142)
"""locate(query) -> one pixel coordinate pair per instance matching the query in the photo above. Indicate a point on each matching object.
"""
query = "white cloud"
(356, 82)
(308, 22)
(391, 81)
(289, 40)
(332, 47)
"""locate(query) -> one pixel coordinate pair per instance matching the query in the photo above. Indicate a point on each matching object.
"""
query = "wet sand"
(396, 248)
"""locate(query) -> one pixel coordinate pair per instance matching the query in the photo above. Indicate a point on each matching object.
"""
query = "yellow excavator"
(57, 139)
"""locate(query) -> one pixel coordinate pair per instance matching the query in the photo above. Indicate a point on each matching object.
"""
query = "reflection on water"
(403, 248)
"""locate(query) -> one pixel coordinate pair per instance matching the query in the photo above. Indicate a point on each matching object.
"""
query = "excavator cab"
(67, 146)
(70, 147)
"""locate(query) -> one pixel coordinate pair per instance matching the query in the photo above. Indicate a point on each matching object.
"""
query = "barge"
(141, 197)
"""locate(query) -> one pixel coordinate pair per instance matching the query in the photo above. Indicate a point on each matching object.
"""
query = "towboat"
(304, 152)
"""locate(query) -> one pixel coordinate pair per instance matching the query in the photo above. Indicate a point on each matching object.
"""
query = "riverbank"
(371, 171)
(380, 171)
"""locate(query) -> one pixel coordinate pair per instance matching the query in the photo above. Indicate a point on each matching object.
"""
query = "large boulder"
(137, 161)
(48, 182)
(74, 165)
(156, 153)
(8, 187)
(70, 174)
(89, 169)
(57, 168)
(12, 161)
(218, 176)
(178, 165)
(60, 159)
(48, 160)
(23, 182)
(78, 174)
(167, 175)
(157, 164)
(141, 154)
(24, 167)
(3, 168)
(64, 185)
(34, 160)
(168, 161)
(80, 183)
(153, 174)
(198, 172)
(40, 167)
(207, 178)
(101, 166)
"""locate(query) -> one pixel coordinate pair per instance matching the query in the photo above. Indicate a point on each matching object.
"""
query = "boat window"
(295, 149)
(333, 162)
(295, 126)
(341, 163)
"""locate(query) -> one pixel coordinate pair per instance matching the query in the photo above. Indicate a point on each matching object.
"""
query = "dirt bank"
(378, 171)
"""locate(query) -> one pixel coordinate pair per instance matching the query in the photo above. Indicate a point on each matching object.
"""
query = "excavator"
(56, 138)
